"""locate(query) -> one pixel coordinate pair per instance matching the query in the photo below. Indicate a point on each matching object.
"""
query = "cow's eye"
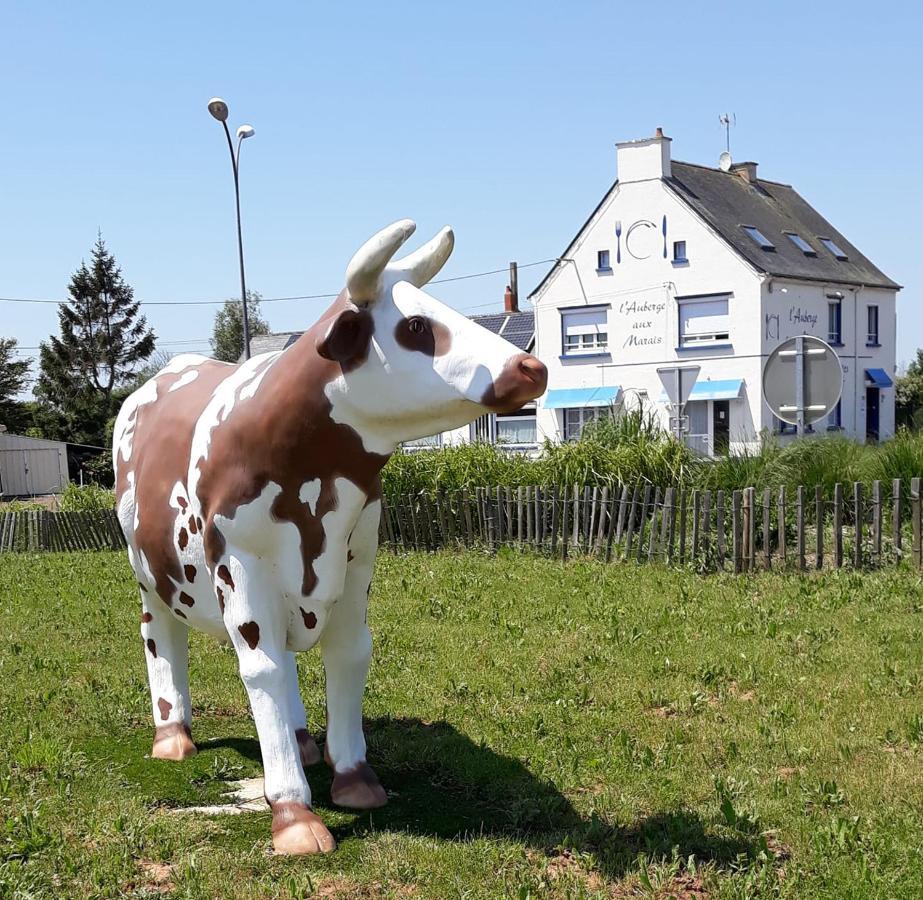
(416, 325)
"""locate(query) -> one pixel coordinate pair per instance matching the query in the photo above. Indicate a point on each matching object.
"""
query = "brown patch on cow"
(250, 632)
(220, 595)
(143, 588)
(523, 379)
(349, 556)
(162, 441)
(224, 573)
(198, 521)
(164, 706)
(182, 503)
(145, 618)
(310, 620)
(423, 335)
(185, 599)
(180, 613)
(190, 572)
(183, 538)
(192, 525)
(152, 647)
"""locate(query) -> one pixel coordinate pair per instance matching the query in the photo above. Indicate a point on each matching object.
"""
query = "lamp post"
(219, 110)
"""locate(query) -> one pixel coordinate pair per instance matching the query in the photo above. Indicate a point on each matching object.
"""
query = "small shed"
(31, 466)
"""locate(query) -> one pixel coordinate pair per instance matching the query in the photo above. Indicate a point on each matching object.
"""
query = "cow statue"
(250, 498)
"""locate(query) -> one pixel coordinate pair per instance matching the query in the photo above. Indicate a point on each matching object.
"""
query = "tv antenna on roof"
(727, 120)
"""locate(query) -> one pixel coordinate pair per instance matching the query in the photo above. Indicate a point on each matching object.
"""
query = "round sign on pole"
(802, 380)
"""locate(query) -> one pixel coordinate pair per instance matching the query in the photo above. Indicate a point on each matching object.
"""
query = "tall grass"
(634, 449)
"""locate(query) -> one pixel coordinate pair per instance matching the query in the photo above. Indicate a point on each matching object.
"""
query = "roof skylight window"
(801, 243)
(758, 237)
(834, 248)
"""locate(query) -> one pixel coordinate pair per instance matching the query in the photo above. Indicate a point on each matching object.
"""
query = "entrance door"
(721, 426)
(871, 414)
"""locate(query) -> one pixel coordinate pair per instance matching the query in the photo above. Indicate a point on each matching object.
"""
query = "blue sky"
(497, 118)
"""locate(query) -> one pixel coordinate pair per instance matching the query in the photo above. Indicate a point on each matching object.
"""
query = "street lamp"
(219, 110)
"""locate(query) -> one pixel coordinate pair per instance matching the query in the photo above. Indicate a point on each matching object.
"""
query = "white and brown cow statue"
(250, 497)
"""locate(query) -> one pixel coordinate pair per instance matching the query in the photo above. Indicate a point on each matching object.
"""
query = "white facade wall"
(31, 466)
(642, 294)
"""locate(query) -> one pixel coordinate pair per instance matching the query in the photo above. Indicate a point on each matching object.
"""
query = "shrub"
(89, 498)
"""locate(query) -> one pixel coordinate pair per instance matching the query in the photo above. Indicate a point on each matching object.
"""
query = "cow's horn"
(363, 274)
(424, 264)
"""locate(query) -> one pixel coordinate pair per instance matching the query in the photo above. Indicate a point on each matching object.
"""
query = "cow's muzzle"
(523, 379)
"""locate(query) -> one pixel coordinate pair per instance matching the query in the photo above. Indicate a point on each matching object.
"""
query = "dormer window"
(801, 243)
(834, 248)
(759, 238)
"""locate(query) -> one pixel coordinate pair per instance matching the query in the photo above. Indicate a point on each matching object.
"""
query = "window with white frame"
(704, 320)
(835, 321)
(585, 331)
(483, 429)
(602, 260)
(576, 419)
(517, 429)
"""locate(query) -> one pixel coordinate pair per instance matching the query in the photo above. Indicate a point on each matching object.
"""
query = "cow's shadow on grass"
(441, 784)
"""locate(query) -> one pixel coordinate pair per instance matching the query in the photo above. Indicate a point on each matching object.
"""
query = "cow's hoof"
(173, 741)
(310, 754)
(358, 788)
(297, 830)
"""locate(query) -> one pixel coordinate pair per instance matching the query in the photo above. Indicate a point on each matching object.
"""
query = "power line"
(223, 300)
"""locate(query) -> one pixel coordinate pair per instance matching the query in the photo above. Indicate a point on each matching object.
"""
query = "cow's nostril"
(533, 369)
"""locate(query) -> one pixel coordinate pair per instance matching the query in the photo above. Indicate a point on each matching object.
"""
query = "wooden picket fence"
(739, 531)
(29, 531)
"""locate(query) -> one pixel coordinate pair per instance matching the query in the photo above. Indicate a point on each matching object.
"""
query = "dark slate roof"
(268, 343)
(518, 328)
(726, 201)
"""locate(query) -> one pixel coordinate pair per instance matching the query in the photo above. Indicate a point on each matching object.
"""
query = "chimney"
(644, 160)
(746, 170)
(511, 296)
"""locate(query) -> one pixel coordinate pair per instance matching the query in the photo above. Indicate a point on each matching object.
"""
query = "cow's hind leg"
(347, 649)
(166, 649)
(253, 618)
(306, 744)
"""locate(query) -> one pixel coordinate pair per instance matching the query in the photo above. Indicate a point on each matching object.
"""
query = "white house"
(681, 263)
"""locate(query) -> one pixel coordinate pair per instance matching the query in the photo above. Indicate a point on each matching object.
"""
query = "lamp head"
(218, 108)
(245, 131)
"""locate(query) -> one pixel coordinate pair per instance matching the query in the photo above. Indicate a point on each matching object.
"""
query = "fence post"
(838, 525)
(799, 519)
(610, 534)
(601, 526)
(896, 517)
(736, 531)
(705, 531)
(565, 509)
(696, 515)
(767, 528)
(781, 526)
(720, 526)
(652, 543)
(630, 524)
(915, 513)
(554, 520)
(819, 523)
(876, 520)
(858, 510)
(682, 526)
(643, 521)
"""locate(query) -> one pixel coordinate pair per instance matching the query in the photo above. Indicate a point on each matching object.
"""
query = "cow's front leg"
(166, 650)
(306, 744)
(347, 649)
(255, 623)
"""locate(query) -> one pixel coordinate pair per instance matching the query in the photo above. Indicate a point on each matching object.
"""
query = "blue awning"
(879, 377)
(571, 398)
(726, 389)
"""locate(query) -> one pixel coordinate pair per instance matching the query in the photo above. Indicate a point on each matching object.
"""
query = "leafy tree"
(228, 334)
(909, 394)
(103, 341)
(14, 374)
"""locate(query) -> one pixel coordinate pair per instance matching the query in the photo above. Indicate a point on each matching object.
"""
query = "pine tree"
(228, 333)
(102, 342)
(13, 377)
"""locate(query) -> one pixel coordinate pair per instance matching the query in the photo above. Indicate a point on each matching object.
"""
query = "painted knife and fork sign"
(640, 239)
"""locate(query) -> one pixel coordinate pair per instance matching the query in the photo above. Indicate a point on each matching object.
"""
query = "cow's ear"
(347, 338)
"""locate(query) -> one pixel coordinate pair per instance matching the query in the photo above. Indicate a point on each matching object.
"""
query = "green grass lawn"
(544, 730)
